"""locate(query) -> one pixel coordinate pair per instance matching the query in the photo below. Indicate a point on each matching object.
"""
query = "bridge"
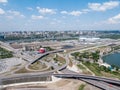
(94, 80)
(82, 76)
(25, 56)
(102, 82)
(42, 55)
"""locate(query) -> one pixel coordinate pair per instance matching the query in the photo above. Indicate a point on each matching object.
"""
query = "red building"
(42, 50)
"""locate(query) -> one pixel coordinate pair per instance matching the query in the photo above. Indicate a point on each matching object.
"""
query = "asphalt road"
(89, 79)
(102, 82)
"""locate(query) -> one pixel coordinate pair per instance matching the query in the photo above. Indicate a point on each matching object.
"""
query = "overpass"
(30, 77)
(82, 76)
(69, 76)
(100, 82)
(42, 55)
(24, 56)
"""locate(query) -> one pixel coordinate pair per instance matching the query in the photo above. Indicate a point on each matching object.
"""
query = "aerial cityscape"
(59, 44)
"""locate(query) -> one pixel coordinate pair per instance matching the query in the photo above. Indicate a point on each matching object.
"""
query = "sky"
(60, 15)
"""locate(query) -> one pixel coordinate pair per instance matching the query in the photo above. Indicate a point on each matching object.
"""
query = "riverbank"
(102, 63)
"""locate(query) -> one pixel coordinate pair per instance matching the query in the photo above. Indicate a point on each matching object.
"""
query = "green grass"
(5, 53)
(94, 68)
(37, 66)
(59, 59)
(84, 71)
(80, 66)
(99, 72)
(82, 86)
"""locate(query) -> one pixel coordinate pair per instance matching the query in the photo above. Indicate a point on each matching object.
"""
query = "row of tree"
(88, 55)
(5, 54)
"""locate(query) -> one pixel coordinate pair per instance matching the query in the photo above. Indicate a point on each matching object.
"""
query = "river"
(113, 58)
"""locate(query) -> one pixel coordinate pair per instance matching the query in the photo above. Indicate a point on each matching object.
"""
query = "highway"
(32, 59)
(78, 76)
(94, 80)
(7, 46)
(99, 84)
(38, 57)
(29, 77)
(26, 56)
(102, 85)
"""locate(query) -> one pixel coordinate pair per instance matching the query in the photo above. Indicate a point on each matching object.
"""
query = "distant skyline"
(47, 15)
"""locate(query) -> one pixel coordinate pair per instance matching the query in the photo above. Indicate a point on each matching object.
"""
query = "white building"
(88, 39)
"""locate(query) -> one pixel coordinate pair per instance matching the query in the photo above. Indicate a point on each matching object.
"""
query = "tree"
(113, 66)
(117, 68)
(107, 69)
(95, 56)
(76, 54)
(102, 68)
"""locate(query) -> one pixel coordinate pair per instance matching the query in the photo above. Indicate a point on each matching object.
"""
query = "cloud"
(114, 20)
(37, 17)
(85, 10)
(73, 13)
(64, 12)
(46, 10)
(2, 11)
(93, 7)
(54, 22)
(15, 13)
(29, 8)
(104, 6)
(3, 1)
(10, 17)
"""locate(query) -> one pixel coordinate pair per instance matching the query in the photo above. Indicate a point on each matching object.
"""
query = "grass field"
(82, 86)
(5, 53)
(84, 71)
(98, 72)
(37, 66)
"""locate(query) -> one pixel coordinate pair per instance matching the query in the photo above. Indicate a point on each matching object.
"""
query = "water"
(112, 59)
